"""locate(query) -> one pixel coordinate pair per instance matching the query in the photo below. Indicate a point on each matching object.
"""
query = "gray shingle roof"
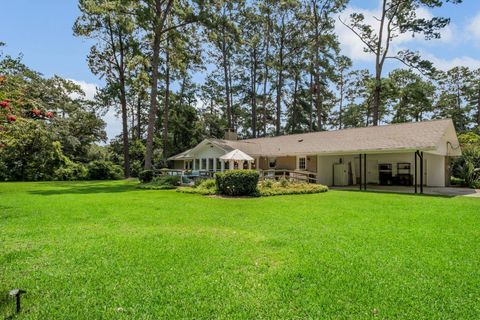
(424, 135)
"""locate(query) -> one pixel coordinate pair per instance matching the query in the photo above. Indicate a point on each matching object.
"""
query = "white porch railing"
(292, 175)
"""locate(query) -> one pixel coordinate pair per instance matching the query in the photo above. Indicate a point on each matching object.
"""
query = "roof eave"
(350, 152)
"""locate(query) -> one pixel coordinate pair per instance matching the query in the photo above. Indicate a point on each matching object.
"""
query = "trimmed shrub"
(145, 176)
(237, 182)
(104, 170)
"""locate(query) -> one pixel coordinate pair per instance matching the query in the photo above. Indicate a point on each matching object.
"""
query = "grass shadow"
(89, 187)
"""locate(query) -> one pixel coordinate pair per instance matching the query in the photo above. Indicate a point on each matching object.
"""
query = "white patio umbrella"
(237, 155)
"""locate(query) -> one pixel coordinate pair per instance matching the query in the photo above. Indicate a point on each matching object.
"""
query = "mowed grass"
(106, 250)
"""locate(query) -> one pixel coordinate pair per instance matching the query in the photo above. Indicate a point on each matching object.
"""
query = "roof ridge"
(345, 129)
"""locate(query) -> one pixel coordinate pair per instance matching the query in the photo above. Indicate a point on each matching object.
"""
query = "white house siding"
(435, 170)
(208, 152)
(434, 167)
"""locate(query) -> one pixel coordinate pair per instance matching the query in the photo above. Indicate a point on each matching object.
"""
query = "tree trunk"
(376, 98)
(126, 153)
(318, 97)
(310, 119)
(294, 104)
(152, 114)
(132, 123)
(232, 107)
(166, 108)
(265, 79)
(340, 105)
(254, 92)
(379, 66)
(139, 122)
(226, 80)
(478, 109)
(120, 66)
(280, 82)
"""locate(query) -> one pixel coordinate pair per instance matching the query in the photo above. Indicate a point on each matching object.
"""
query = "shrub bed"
(264, 188)
(237, 182)
(161, 183)
(205, 187)
(284, 187)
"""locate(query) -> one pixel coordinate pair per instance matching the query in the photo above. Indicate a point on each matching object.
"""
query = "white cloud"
(114, 124)
(353, 47)
(446, 64)
(473, 28)
(89, 88)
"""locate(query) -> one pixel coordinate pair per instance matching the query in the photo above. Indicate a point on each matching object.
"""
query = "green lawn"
(94, 250)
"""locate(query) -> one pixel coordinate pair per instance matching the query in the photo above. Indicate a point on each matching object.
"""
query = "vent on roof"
(300, 140)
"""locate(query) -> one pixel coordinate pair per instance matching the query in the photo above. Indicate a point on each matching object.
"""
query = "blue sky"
(42, 32)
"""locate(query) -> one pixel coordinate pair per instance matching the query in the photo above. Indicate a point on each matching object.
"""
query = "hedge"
(145, 176)
(237, 182)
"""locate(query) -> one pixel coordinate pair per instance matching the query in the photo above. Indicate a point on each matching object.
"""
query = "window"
(272, 163)
(302, 163)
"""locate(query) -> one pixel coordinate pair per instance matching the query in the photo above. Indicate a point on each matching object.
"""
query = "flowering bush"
(8, 115)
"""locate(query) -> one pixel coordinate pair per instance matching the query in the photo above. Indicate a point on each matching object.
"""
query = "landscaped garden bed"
(245, 183)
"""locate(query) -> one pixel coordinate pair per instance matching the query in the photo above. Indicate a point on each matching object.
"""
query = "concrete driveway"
(440, 191)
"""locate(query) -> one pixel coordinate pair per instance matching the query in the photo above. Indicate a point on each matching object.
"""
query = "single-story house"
(416, 153)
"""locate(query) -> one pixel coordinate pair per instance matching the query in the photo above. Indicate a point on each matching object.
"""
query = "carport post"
(360, 167)
(415, 172)
(365, 171)
(421, 172)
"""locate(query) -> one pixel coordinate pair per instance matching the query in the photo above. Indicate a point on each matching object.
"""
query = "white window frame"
(298, 163)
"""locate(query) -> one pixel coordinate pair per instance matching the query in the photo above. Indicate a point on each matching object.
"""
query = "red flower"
(49, 114)
(4, 103)
(11, 118)
(36, 112)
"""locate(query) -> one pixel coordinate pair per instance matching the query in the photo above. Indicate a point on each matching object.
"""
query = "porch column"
(249, 165)
(208, 165)
(214, 164)
(231, 165)
(194, 164)
(222, 165)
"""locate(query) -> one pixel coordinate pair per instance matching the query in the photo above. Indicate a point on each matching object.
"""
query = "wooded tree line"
(179, 71)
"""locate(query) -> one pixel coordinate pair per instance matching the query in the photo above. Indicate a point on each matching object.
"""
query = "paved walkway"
(442, 191)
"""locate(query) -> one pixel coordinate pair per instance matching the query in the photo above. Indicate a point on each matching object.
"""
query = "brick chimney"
(230, 134)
